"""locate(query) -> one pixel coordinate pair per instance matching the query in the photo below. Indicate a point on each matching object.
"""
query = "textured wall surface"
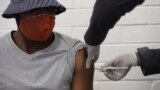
(139, 28)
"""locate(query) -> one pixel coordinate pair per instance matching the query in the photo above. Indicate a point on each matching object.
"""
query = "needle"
(107, 68)
(115, 68)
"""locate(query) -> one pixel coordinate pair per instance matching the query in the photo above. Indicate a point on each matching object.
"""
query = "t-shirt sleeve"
(75, 46)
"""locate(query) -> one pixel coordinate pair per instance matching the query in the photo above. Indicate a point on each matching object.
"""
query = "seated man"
(36, 58)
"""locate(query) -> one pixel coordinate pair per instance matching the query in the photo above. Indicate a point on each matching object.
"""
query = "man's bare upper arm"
(83, 78)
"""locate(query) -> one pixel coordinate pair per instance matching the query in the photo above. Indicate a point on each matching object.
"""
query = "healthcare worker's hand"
(122, 65)
(93, 55)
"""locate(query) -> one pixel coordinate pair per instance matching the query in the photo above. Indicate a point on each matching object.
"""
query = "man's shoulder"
(63, 36)
(67, 39)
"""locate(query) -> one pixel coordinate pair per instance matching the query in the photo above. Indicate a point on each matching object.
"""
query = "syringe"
(107, 68)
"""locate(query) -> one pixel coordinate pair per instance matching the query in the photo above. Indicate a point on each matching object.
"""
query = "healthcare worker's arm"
(82, 78)
(106, 13)
(147, 59)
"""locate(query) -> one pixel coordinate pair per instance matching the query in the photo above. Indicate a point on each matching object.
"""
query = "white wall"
(139, 28)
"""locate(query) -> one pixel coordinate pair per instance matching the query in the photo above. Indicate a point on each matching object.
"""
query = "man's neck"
(29, 46)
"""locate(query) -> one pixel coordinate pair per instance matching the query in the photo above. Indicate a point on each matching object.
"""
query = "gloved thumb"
(107, 64)
(88, 62)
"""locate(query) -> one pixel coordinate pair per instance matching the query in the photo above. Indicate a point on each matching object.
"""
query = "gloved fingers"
(88, 62)
(112, 75)
(91, 60)
(116, 74)
(122, 73)
(95, 58)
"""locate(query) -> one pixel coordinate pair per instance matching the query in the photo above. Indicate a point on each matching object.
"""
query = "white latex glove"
(125, 60)
(93, 54)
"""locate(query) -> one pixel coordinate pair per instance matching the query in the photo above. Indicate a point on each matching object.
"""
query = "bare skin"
(83, 78)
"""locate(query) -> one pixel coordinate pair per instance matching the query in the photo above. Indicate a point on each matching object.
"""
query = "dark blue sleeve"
(150, 60)
(106, 14)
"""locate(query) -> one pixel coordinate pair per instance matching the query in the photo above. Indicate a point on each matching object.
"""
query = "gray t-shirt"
(48, 69)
